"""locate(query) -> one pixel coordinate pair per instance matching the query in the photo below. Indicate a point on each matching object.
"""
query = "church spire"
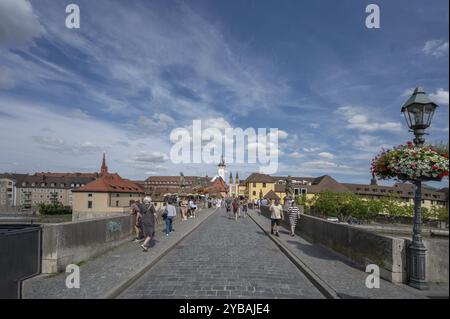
(104, 168)
(222, 162)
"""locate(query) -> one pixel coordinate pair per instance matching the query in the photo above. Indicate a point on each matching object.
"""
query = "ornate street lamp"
(418, 112)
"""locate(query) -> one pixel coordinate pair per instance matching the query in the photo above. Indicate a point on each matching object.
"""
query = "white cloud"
(319, 164)
(326, 155)
(359, 121)
(437, 48)
(59, 145)
(296, 155)
(157, 124)
(310, 149)
(150, 157)
(55, 140)
(18, 24)
(314, 125)
(440, 97)
(218, 122)
(408, 92)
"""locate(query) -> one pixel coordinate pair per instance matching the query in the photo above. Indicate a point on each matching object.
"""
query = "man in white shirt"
(276, 215)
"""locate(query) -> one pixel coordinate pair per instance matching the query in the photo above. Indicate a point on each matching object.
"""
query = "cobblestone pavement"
(343, 277)
(224, 258)
(102, 275)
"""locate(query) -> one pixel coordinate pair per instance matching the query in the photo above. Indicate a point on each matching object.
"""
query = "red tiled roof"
(111, 183)
(52, 174)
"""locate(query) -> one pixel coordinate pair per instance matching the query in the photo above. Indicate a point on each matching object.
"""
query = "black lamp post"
(418, 112)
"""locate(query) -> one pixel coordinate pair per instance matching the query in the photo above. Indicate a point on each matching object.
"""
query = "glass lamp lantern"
(418, 112)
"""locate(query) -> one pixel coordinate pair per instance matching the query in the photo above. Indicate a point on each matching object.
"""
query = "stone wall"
(77, 241)
(73, 242)
(363, 247)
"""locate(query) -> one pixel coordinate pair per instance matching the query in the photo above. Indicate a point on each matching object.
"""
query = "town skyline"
(123, 87)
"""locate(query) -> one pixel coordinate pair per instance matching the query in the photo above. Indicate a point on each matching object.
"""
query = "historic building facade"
(108, 195)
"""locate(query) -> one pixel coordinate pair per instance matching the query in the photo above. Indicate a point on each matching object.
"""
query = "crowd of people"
(235, 207)
(147, 217)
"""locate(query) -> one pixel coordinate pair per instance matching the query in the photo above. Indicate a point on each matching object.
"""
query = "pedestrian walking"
(171, 213)
(235, 208)
(228, 203)
(183, 209)
(149, 221)
(276, 216)
(136, 211)
(192, 207)
(294, 215)
(245, 206)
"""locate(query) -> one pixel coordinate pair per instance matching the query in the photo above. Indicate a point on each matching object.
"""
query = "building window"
(264, 184)
(90, 204)
(254, 193)
(117, 203)
(117, 195)
(89, 195)
(304, 191)
(254, 184)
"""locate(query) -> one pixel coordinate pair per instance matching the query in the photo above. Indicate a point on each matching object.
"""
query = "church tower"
(230, 184)
(104, 168)
(221, 169)
(236, 184)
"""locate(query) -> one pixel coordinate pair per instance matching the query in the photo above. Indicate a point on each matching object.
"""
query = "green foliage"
(437, 213)
(335, 204)
(301, 200)
(345, 205)
(54, 209)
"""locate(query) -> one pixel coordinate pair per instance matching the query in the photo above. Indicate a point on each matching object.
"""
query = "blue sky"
(135, 70)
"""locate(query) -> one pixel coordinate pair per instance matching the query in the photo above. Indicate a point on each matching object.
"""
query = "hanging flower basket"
(409, 162)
